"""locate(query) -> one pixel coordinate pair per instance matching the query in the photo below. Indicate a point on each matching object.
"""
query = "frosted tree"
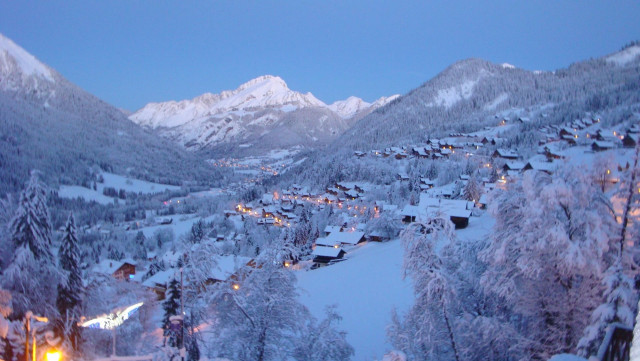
(139, 248)
(472, 190)
(32, 275)
(71, 288)
(428, 329)
(171, 307)
(321, 341)
(620, 300)
(545, 256)
(261, 318)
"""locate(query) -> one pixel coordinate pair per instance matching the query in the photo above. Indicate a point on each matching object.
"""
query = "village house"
(505, 154)
(324, 255)
(599, 146)
(123, 270)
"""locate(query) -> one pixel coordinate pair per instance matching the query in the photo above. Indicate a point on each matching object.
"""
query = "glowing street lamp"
(53, 355)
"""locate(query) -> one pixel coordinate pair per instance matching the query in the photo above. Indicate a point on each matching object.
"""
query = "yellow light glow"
(608, 171)
(335, 246)
(53, 356)
(287, 264)
(235, 286)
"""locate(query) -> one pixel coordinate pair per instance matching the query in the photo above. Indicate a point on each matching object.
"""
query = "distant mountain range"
(260, 114)
(50, 124)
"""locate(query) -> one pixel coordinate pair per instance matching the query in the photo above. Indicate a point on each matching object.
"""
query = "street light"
(53, 355)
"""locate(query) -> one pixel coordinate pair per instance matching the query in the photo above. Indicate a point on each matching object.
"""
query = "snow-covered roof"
(327, 251)
(332, 229)
(344, 237)
(109, 266)
(227, 265)
(323, 241)
(515, 165)
(160, 278)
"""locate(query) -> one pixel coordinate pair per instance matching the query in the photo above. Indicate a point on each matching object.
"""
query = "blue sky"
(130, 52)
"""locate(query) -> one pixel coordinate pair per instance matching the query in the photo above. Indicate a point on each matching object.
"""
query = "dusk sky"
(130, 53)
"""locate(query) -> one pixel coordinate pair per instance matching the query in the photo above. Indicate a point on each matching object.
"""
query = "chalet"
(420, 152)
(505, 153)
(428, 182)
(333, 190)
(512, 166)
(324, 255)
(458, 211)
(464, 177)
(159, 282)
(409, 213)
(403, 177)
(630, 140)
(547, 167)
(482, 202)
(352, 194)
(599, 146)
(344, 186)
(359, 154)
(572, 140)
(377, 236)
(331, 229)
(446, 152)
(325, 242)
(229, 268)
(164, 220)
(524, 120)
(567, 131)
(123, 270)
(345, 238)
(287, 207)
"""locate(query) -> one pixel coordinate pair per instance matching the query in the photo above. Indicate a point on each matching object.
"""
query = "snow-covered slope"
(253, 110)
(50, 124)
(624, 56)
(17, 64)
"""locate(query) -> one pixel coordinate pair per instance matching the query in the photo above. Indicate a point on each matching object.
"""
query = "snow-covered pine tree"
(32, 276)
(472, 190)
(171, 307)
(70, 289)
(140, 250)
(616, 309)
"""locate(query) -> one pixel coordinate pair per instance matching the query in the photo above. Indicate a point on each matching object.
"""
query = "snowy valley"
(491, 213)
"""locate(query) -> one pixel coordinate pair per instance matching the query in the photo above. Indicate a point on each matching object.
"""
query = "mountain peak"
(270, 80)
(15, 61)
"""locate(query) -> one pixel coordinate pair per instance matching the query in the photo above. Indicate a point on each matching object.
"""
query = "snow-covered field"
(365, 288)
(114, 181)
(87, 194)
(132, 185)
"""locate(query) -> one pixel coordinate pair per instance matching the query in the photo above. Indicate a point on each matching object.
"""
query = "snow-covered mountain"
(251, 112)
(50, 124)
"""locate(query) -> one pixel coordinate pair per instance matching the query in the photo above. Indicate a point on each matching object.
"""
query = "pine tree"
(70, 290)
(171, 307)
(140, 250)
(472, 191)
(616, 309)
(32, 275)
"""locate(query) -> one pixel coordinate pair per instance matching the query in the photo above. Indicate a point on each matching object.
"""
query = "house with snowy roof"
(123, 270)
(505, 153)
(600, 145)
(344, 238)
(159, 282)
(324, 255)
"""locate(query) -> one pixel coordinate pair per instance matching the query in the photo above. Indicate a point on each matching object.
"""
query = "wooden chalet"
(599, 146)
(324, 255)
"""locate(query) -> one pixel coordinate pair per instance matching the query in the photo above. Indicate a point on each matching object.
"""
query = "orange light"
(235, 286)
(287, 264)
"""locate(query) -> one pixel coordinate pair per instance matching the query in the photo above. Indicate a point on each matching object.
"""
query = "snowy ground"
(87, 194)
(115, 181)
(366, 288)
